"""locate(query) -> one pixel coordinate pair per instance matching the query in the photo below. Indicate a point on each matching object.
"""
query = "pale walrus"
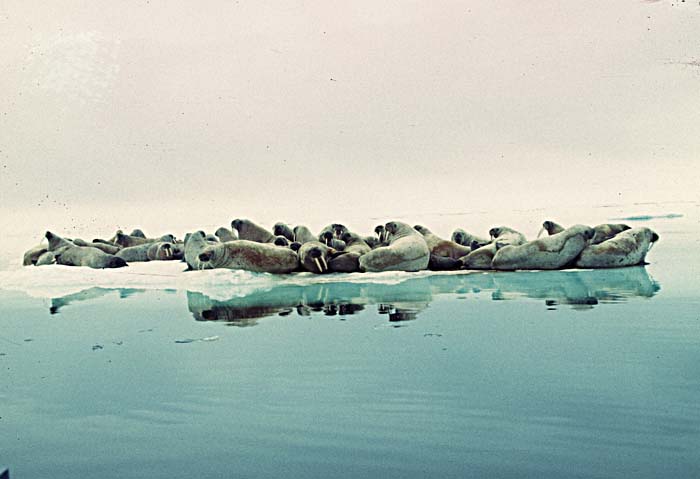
(407, 251)
(32, 255)
(225, 234)
(482, 256)
(247, 230)
(68, 254)
(314, 256)
(603, 231)
(349, 261)
(627, 248)
(442, 247)
(551, 252)
(507, 236)
(460, 236)
(195, 244)
(249, 256)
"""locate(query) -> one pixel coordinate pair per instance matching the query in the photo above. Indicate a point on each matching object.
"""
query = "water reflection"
(403, 302)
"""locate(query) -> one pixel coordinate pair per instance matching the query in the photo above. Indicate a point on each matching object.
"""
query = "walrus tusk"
(541, 231)
(318, 265)
(325, 265)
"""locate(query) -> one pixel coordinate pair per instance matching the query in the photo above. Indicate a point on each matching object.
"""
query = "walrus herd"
(395, 246)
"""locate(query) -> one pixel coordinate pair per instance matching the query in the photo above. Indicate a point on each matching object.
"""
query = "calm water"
(548, 374)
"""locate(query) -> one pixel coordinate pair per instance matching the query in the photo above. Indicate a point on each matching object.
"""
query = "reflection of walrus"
(349, 261)
(551, 252)
(249, 256)
(460, 236)
(314, 256)
(441, 247)
(247, 230)
(407, 251)
(627, 248)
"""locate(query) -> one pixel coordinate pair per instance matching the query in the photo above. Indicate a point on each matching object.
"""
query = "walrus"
(349, 260)
(138, 233)
(372, 241)
(314, 256)
(106, 248)
(336, 229)
(302, 234)
(249, 256)
(551, 228)
(281, 240)
(66, 253)
(603, 231)
(443, 263)
(441, 247)
(507, 236)
(195, 244)
(32, 255)
(125, 240)
(460, 236)
(328, 238)
(607, 231)
(225, 234)
(627, 248)
(247, 230)
(382, 234)
(282, 229)
(407, 251)
(480, 257)
(161, 251)
(49, 257)
(551, 252)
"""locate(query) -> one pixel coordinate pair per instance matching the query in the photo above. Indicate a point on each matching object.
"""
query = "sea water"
(151, 372)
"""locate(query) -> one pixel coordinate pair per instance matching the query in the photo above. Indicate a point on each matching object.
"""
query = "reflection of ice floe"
(580, 289)
(238, 295)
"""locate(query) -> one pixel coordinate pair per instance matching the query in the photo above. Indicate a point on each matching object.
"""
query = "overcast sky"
(331, 106)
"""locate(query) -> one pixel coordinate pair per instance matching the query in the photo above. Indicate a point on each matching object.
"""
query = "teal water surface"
(558, 374)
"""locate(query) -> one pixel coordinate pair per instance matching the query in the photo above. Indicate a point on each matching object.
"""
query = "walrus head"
(115, 262)
(495, 232)
(281, 241)
(589, 233)
(327, 237)
(339, 230)
(654, 237)
(236, 224)
(458, 237)
(138, 233)
(391, 227)
(381, 233)
(318, 259)
(421, 229)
